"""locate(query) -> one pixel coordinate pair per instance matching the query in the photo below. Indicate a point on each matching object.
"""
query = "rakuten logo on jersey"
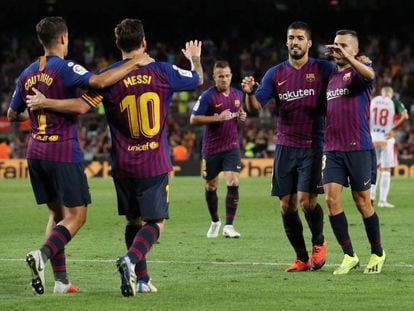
(298, 94)
(331, 94)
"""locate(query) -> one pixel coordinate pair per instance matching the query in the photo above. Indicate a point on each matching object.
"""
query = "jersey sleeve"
(265, 90)
(92, 98)
(18, 103)
(399, 106)
(201, 106)
(76, 75)
(181, 79)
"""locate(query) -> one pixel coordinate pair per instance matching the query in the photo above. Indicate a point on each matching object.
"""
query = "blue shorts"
(226, 161)
(147, 198)
(296, 169)
(59, 182)
(356, 168)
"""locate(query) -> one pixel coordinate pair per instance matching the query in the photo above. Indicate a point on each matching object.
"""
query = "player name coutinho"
(138, 79)
(40, 77)
(331, 94)
(293, 95)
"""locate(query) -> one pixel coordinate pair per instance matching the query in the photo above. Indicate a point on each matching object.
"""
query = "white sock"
(373, 191)
(374, 186)
(385, 186)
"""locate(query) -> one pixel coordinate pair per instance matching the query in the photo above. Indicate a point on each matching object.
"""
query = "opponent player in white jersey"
(383, 110)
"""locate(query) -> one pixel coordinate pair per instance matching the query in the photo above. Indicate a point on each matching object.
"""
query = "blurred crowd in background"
(392, 57)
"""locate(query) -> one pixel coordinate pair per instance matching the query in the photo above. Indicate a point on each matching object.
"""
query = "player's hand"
(224, 115)
(143, 59)
(337, 52)
(36, 101)
(248, 84)
(364, 59)
(192, 49)
(242, 114)
(390, 134)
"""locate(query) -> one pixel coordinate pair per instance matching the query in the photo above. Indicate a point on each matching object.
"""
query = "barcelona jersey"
(219, 136)
(136, 108)
(54, 135)
(300, 96)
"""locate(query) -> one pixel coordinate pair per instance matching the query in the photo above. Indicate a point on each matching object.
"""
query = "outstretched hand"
(192, 49)
(35, 102)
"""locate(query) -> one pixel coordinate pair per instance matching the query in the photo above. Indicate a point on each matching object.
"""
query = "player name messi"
(138, 79)
(293, 95)
(331, 94)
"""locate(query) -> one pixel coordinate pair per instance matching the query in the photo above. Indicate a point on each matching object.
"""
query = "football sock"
(57, 240)
(58, 262)
(294, 232)
(131, 231)
(141, 270)
(232, 201)
(372, 228)
(315, 222)
(211, 198)
(339, 225)
(385, 186)
(143, 242)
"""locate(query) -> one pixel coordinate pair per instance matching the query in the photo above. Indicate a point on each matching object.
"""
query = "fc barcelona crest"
(237, 103)
(310, 77)
(347, 76)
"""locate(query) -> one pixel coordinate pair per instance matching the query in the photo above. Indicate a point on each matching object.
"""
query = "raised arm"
(71, 105)
(337, 51)
(192, 52)
(112, 76)
(248, 86)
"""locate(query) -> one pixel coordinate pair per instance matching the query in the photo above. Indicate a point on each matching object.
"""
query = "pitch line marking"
(200, 262)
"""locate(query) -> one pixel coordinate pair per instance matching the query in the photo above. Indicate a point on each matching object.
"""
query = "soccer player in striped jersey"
(220, 108)
(383, 110)
(298, 86)
(137, 109)
(349, 157)
(54, 156)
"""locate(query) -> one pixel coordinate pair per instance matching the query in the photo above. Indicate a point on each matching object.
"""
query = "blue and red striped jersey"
(136, 108)
(300, 96)
(54, 135)
(219, 136)
(347, 127)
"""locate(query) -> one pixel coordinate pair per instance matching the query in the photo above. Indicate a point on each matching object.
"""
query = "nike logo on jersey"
(218, 105)
(281, 83)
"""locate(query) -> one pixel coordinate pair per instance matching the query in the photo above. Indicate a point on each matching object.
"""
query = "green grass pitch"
(196, 273)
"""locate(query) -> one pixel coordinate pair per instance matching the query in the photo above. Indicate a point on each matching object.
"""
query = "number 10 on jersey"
(143, 114)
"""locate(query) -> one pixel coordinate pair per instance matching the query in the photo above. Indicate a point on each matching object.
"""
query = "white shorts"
(386, 155)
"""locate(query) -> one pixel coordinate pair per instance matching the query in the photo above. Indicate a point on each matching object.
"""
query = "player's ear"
(309, 43)
(144, 44)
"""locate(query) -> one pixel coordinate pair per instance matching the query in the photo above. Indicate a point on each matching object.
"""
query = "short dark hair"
(129, 34)
(303, 26)
(221, 64)
(350, 32)
(49, 29)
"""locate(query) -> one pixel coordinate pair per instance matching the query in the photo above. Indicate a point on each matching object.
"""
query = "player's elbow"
(97, 82)
(12, 115)
(193, 120)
